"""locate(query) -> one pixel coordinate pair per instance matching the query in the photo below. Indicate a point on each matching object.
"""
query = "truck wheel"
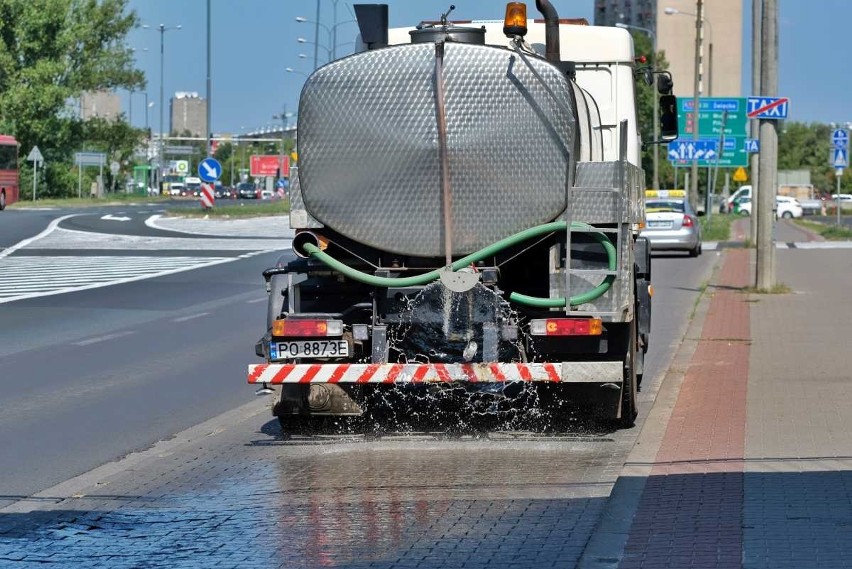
(629, 410)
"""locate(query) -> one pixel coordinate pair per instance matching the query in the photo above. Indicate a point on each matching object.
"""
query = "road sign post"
(36, 158)
(209, 170)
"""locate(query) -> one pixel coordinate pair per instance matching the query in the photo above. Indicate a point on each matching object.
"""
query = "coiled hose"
(483, 253)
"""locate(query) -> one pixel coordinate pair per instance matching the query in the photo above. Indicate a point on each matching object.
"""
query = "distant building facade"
(722, 49)
(641, 13)
(100, 104)
(189, 113)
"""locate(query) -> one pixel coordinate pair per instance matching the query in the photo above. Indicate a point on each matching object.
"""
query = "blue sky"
(254, 41)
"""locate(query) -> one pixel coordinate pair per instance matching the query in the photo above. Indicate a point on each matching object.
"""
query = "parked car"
(248, 190)
(845, 199)
(785, 207)
(671, 223)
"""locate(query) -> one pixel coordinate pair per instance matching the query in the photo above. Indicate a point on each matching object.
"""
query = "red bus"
(8, 170)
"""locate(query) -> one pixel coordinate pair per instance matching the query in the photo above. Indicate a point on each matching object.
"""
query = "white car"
(785, 207)
(844, 198)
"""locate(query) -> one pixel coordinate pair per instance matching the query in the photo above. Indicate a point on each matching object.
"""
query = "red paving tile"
(691, 507)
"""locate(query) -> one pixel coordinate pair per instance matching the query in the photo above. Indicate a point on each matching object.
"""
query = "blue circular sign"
(209, 170)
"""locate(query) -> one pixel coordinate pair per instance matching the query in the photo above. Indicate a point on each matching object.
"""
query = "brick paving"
(754, 467)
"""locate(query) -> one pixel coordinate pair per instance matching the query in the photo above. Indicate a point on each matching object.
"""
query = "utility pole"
(316, 36)
(756, 8)
(209, 89)
(696, 103)
(768, 161)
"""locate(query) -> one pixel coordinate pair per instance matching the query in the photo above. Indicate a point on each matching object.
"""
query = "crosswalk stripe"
(28, 277)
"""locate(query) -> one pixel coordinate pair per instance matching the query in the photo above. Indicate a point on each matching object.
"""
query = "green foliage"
(642, 46)
(808, 147)
(717, 227)
(51, 51)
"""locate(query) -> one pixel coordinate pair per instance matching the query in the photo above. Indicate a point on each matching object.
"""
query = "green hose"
(488, 251)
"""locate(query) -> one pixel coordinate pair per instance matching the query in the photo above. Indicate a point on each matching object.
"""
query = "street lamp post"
(655, 95)
(296, 71)
(330, 31)
(317, 46)
(696, 92)
(162, 29)
(705, 20)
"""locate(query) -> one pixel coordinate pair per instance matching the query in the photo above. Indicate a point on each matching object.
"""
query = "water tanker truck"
(466, 210)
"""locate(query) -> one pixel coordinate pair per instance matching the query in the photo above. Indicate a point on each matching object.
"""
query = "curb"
(605, 548)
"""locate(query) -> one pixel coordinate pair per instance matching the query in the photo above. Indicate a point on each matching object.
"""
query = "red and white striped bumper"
(574, 372)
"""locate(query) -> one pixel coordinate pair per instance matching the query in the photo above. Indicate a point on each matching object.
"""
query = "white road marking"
(31, 277)
(48, 230)
(103, 338)
(256, 300)
(191, 317)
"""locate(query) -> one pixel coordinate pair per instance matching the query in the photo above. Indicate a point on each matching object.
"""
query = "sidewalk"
(746, 459)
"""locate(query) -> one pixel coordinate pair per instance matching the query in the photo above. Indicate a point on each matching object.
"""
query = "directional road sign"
(688, 150)
(768, 107)
(840, 138)
(710, 110)
(733, 152)
(89, 158)
(752, 145)
(840, 157)
(209, 169)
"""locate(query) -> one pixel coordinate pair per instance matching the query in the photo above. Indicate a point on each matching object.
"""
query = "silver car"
(671, 224)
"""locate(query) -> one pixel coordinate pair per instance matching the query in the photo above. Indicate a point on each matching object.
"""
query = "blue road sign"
(702, 150)
(840, 138)
(768, 107)
(752, 145)
(840, 157)
(209, 170)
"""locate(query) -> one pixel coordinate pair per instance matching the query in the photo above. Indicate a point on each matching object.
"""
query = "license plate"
(659, 224)
(312, 349)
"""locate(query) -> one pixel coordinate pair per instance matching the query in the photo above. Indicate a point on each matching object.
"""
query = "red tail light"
(566, 327)
(303, 328)
(687, 221)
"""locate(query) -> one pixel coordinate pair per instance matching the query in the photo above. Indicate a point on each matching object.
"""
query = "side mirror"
(668, 118)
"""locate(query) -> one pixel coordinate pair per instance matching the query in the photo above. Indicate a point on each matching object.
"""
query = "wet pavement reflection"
(332, 499)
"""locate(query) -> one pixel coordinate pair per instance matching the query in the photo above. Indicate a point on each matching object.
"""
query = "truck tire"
(628, 408)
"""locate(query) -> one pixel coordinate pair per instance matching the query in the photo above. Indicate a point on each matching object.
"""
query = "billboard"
(267, 165)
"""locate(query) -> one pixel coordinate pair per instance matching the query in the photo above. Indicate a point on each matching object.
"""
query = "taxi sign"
(665, 193)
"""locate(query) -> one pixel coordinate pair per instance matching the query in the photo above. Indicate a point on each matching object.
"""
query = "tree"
(645, 109)
(51, 51)
(808, 147)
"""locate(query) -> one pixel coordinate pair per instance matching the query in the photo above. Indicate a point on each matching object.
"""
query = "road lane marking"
(256, 300)
(191, 317)
(104, 338)
(48, 230)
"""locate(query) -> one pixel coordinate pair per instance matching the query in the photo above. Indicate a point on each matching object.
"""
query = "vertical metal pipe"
(209, 89)
(316, 36)
(162, 105)
(696, 103)
(442, 152)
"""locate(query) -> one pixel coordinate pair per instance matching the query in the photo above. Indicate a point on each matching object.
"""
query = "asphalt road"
(90, 376)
